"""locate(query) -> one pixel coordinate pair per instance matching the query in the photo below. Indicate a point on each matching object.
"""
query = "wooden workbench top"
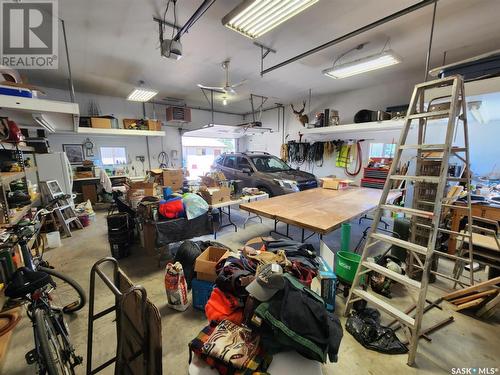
(319, 210)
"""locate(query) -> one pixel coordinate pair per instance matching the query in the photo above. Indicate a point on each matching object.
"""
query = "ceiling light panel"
(141, 94)
(254, 18)
(363, 65)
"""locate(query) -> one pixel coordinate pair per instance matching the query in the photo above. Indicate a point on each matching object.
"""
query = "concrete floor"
(467, 342)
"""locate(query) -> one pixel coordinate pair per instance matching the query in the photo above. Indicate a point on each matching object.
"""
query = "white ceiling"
(114, 43)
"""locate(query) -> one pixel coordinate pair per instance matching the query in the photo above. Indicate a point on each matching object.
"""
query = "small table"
(459, 211)
(228, 204)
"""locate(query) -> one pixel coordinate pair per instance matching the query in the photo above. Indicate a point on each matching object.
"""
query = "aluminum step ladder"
(64, 208)
(423, 255)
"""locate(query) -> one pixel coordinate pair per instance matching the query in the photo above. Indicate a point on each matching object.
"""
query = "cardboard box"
(334, 183)
(142, 188)
(153, 124)
(128, 123)
(100, 123)
(206, 262)
(325, 283)
(216, 195)
(173, 178)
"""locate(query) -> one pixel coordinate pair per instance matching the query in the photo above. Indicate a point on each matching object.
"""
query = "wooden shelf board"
(126, 132)
(8, 177)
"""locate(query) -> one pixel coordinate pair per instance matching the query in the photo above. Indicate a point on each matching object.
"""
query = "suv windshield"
(269, 164)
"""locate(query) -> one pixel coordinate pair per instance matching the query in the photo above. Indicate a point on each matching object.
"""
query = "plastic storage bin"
(53, 240)
(201, 291)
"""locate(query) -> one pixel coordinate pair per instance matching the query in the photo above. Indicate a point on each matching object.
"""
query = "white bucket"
(53, 240)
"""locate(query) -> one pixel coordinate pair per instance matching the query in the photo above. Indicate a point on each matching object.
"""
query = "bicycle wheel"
(68, 295)
(55, 360)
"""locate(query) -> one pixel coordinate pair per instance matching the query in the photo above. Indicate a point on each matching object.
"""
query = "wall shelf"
(7, 177)
(121, 132)
(364, 127)
(7, 146)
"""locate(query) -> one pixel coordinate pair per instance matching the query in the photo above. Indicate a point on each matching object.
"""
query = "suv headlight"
(287, 184)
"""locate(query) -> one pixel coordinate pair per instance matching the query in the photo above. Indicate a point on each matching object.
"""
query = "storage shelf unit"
(128, 132)
(374, 126)
(7, 177)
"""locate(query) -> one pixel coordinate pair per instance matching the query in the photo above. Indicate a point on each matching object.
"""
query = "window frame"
(113, 147)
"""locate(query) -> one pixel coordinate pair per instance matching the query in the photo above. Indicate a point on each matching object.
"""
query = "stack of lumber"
(483, 296)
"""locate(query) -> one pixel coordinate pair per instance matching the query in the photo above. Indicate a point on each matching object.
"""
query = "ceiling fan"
(227, 88)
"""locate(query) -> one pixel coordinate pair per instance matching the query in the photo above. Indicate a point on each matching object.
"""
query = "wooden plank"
(389, 309)
(469, 304)
(474, 296)
(471, 289)
(489, 307)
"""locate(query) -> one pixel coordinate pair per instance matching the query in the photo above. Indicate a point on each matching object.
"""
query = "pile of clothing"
(188, 205)
(261, 305)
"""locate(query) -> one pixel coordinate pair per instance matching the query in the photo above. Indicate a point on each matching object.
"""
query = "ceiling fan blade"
(239, 83)
(229, 90)
(217, 89)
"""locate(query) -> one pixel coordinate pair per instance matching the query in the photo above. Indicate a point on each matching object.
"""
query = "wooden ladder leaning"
(423, 255)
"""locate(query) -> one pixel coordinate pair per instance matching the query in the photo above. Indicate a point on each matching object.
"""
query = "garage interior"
(251, 186)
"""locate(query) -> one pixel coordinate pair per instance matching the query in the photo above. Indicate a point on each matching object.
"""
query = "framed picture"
(74, 153)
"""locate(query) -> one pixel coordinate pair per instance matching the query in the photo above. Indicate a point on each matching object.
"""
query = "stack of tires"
(120, 234)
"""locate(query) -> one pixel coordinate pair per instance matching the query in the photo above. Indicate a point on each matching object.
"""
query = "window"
(113, 155)
(243, 163)
(269, 164)
(382, 150)
(230, 162)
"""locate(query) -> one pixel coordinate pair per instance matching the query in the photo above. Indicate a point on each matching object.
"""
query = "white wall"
(136, 146)
(484, 154)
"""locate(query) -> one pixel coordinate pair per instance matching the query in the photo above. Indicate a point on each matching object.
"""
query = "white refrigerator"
(56, 166)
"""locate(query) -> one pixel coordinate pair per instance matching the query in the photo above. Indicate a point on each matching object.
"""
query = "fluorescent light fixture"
(43, 122)
(254, 18)
(366, 64)
(141, 94)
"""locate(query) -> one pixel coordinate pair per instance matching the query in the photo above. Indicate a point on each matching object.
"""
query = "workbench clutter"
(261, 305)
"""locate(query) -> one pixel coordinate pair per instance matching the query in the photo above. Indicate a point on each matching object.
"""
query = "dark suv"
(264, 171)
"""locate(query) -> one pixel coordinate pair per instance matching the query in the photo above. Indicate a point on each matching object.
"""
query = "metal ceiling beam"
(352, 34)
(195, 17)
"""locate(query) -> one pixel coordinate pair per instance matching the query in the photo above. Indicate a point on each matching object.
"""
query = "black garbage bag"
(365, 326)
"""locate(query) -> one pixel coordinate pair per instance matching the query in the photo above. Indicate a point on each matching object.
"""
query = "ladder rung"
(389, 309)
(428, 146)
(436, 82)
(402, 279)
(430, 179)
(409, 211)
(401, 243)
(428, 114)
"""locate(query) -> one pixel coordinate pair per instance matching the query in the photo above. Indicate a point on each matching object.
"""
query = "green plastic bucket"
(346, 265)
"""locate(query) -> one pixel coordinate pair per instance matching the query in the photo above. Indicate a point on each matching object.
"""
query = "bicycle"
(35, 285)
